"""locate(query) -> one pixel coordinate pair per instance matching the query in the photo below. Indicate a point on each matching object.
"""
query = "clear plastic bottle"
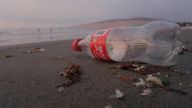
(154, 43)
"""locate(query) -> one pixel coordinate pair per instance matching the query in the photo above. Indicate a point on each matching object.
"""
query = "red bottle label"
(98, 45)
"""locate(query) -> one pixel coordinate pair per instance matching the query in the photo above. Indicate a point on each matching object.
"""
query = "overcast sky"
(32, 13)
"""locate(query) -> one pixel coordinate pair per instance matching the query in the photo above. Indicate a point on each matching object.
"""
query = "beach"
(29, 80)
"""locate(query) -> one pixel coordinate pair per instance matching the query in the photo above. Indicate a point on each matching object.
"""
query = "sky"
(42, 13)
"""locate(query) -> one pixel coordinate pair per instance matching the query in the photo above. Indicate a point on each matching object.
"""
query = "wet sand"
(29, 80)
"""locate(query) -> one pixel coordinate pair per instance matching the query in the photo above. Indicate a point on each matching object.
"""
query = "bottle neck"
(80, 43)
(76, 46)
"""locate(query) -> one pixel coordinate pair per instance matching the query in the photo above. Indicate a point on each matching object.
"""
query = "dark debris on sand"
(71, 75)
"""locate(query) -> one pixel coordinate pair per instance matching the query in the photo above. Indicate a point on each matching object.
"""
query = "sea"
(33, 35)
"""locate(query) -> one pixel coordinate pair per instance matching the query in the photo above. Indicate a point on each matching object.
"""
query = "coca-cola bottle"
(154, 43)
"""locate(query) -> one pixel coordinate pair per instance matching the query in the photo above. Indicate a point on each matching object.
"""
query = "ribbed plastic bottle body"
(153, 43)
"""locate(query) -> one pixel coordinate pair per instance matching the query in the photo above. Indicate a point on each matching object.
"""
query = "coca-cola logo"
(98, 45)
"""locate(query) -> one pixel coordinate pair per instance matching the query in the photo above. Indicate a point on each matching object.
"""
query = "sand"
(30, 80)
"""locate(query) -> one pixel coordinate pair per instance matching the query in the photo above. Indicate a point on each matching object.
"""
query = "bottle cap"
(75, 45)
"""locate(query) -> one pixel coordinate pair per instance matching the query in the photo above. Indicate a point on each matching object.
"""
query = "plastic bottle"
(154, 43)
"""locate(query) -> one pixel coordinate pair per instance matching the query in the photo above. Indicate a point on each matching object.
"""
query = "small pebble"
(176, 70)
(190, 85)
(32, 82)
(166, 75)
(108, 106)
(180, 84)
(60, 89)
(187, 72)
